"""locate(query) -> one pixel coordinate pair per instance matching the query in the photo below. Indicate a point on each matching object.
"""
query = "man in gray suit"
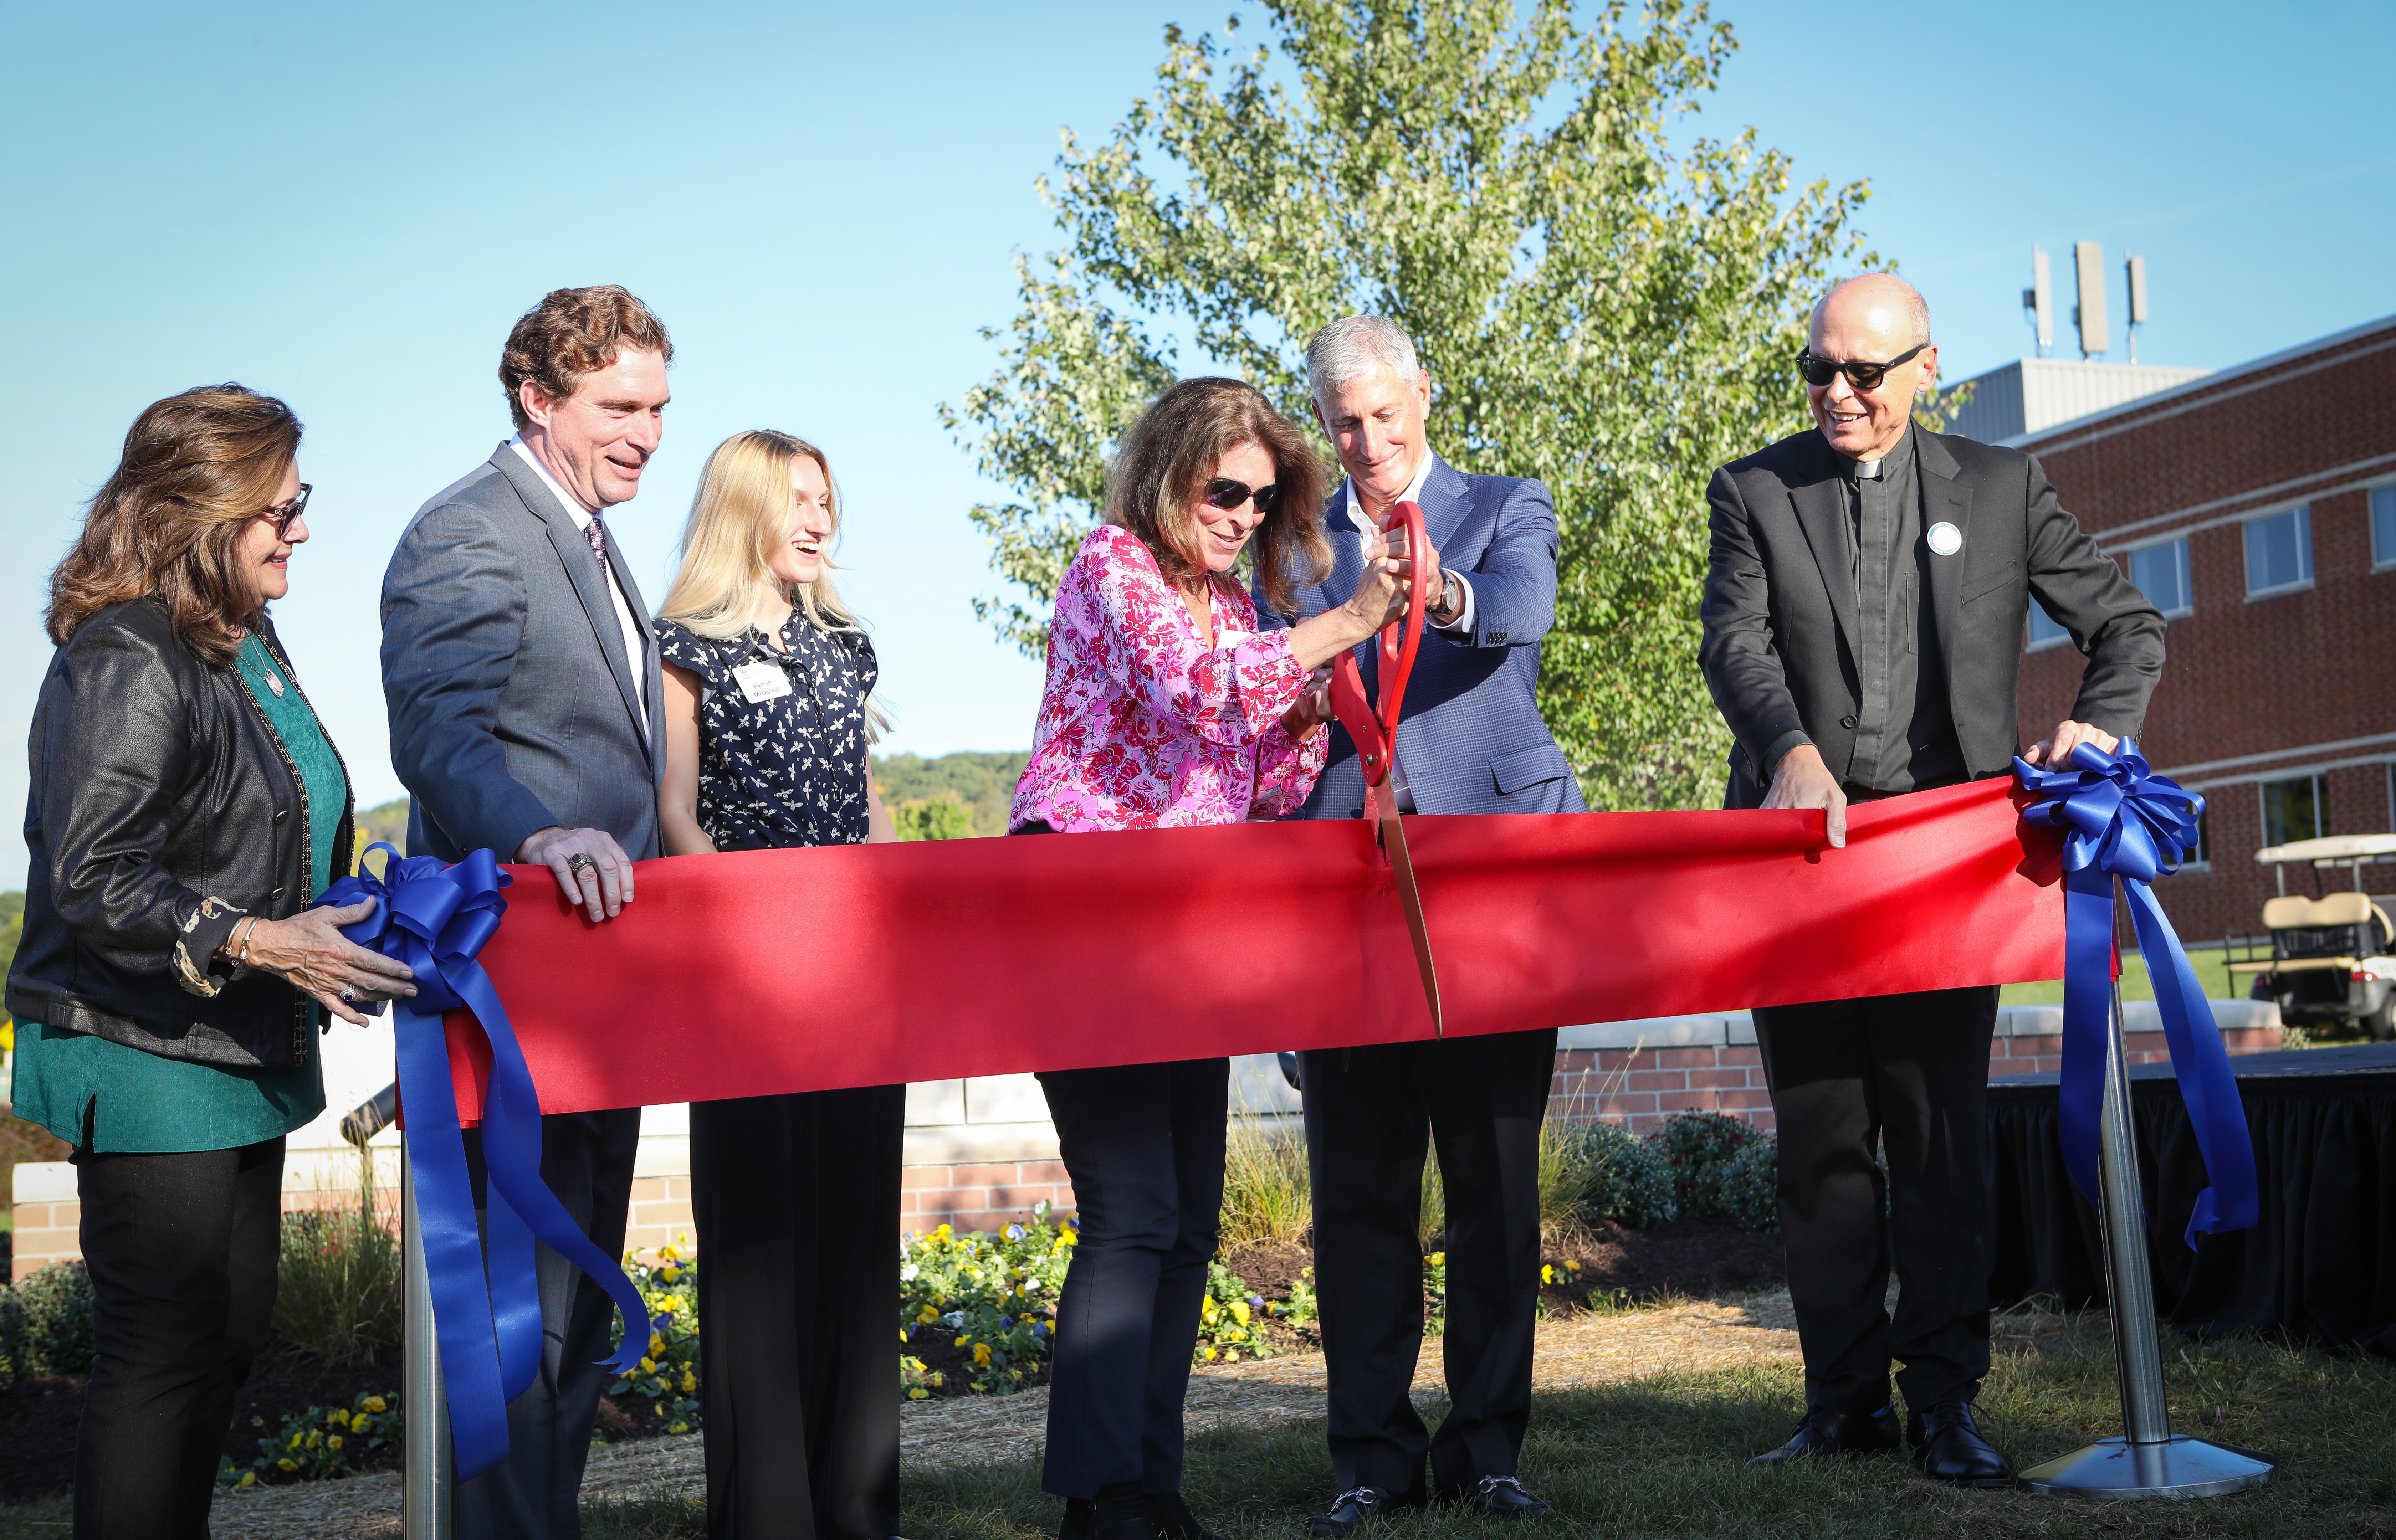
(1470, 741)
(1864, 617)
(523, 686)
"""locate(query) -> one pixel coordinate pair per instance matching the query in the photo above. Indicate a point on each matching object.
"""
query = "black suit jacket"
(1780, 625)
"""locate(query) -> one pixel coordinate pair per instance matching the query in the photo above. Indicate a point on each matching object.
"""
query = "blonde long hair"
(740, 514)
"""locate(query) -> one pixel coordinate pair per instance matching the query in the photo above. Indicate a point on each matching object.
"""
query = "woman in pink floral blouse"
(1166, 707)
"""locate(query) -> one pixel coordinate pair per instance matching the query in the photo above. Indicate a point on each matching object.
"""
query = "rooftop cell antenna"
(2088, 274)
(2039, 300)
(2138, 271)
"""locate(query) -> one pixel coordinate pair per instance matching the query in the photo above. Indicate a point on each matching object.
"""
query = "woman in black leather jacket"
(186, 806)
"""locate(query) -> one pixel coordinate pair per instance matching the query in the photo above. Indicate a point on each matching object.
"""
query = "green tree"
(1599, 308)
(942, 818)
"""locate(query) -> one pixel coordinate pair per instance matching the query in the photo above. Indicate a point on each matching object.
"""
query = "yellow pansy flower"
(335, 1441)
(286, 1464)
(376, 1404)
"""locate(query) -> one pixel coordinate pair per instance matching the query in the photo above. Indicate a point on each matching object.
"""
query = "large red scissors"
(1375, 728)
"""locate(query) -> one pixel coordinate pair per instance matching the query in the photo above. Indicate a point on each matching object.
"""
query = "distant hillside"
(983, 783)
(387, 822)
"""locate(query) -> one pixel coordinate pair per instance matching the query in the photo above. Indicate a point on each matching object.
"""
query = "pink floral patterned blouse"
(1141, 726)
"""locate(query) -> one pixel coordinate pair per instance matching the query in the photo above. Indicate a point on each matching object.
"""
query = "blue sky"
(347, 207)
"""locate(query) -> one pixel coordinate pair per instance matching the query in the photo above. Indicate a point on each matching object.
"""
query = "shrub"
(319, 1443)
(1266, 1195)
(53, 1322)
(1614, 1176)
(667, 1375)
(1749, 1186)
(338, 1294)
(1695, 1147)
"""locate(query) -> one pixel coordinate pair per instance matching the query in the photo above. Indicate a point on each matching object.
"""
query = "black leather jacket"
(164, 809)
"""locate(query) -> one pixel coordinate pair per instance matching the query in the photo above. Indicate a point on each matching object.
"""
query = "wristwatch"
(1451, 597)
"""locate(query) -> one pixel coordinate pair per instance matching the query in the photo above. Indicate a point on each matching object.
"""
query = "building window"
(2203, 857)
(2383, 528)
(2279, 552)
(2295, 809)
(2160, 573)
(2044, 630)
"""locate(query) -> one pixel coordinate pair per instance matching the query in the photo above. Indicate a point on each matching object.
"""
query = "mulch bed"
(1688, 1258)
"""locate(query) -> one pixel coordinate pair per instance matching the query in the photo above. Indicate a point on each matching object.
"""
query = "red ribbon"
(760, 972)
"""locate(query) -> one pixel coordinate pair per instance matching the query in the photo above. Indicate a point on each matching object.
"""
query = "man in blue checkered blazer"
(1470, 741)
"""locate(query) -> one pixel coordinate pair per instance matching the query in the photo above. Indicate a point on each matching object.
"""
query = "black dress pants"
(797, 1201)
(182, 1250)
(1370, 1113)
(1908, 1073)
(536, 1493)
(1144, 1145)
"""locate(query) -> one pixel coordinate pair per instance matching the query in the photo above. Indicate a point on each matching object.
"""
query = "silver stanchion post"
(428, 1470)
(2148, 1460)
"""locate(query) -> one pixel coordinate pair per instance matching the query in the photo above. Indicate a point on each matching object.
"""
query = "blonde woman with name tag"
(796, 1197)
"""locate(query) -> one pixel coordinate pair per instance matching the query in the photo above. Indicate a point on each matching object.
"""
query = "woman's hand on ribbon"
(310, 953)
(2070, 736)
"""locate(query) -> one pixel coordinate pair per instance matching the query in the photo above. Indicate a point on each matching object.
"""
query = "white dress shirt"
(1461, 621)
(633, 646)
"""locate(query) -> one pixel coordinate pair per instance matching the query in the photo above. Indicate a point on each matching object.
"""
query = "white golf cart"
(2329, 960)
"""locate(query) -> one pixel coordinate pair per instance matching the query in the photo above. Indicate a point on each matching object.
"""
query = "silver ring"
(349, 994)
(580, 862)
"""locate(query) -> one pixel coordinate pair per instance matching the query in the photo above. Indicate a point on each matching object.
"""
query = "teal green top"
(137, 1102)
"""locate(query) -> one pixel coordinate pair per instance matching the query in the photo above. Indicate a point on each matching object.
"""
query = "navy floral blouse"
(782, 735)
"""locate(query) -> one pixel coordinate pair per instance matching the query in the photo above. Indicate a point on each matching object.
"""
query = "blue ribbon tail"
(452, 1246)
(2087, 1015)
(2206, 1084)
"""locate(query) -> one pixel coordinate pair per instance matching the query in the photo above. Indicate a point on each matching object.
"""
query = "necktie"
(596, 533)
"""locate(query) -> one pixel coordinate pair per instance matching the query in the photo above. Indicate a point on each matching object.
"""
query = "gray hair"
(1357, 345)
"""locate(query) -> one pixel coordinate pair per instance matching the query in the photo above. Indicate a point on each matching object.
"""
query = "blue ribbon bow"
(436, 918)
(2124, 821)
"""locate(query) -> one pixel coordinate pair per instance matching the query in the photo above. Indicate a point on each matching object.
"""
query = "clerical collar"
(1875, 470)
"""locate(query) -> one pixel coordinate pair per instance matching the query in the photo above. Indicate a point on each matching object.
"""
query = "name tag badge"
(1945, 538)
(761, 681)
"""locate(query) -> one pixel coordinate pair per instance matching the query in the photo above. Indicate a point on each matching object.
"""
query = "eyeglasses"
(284, 515)
(1863, 376)
(1226, 495)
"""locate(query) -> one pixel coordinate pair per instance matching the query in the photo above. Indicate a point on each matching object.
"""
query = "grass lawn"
(2211, 971)
(1663, 1457)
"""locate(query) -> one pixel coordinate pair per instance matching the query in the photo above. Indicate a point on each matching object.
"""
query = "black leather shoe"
(1503, 1497)
(1825, 1431)
(1172, 1519)
(1118, 1512)
(1948, 1446)
(1076, 1524)
(1351, 1511)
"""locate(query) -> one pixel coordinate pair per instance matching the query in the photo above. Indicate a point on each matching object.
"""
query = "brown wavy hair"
(197, 469)
(574, 332)
(1167, 458)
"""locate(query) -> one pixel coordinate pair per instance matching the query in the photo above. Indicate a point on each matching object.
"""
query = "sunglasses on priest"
(1863, 376)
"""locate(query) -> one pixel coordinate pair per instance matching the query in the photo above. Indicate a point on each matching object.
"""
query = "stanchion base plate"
(2180, 1468)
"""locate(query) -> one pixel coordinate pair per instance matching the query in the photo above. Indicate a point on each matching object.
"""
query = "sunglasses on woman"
(283, 515)
(1862, 376)
(1226, 495)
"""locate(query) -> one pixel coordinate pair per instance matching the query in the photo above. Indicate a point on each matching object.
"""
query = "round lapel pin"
(1945, 538)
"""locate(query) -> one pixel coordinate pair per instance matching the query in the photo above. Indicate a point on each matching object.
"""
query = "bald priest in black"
(1864, 624)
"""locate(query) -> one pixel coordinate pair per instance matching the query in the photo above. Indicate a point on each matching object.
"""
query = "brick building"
(2256, 507)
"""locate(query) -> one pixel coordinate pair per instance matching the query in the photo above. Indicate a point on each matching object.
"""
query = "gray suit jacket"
(513, 706)
(1470, 736)
(1780, 605)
